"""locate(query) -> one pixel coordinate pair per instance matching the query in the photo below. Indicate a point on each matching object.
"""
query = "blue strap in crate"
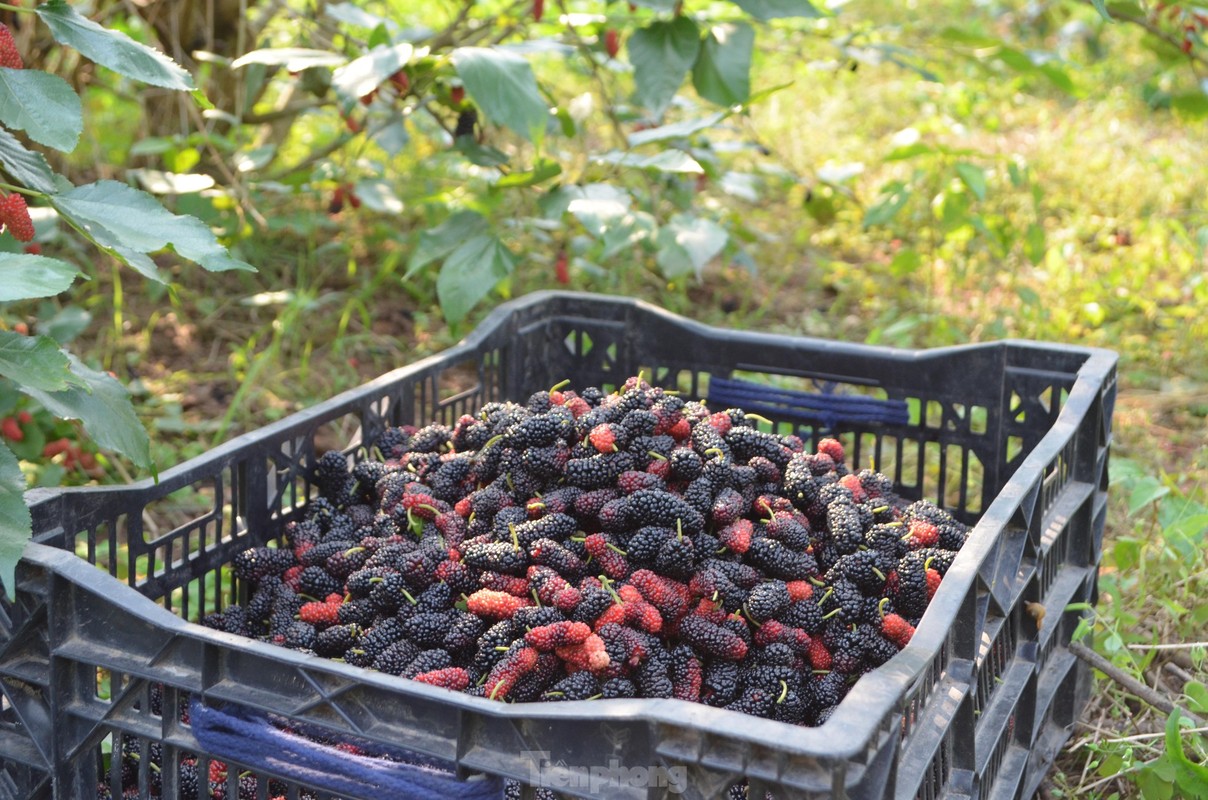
(250, 738)
(824, 409)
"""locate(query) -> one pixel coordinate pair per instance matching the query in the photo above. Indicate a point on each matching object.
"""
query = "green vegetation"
(909, 176)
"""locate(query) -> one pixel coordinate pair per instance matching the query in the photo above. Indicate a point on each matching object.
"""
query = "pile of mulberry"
(591, 545)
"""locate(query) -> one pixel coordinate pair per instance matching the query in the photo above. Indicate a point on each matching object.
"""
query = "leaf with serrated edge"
(360, 77)
(435, 244)
(113, 49)
(25, 166)
(350, 14)
(127, 220)
(378, 195)
(68, 323)
(35, 361)
(632, 230)
(43, 105)
(661, 55)
(722, 73)
(766, 10)
(1146, 490)
(504, 87)
(599, 207)
(700, 238)
(111, 243)
(893, 197)
(1101, 7)
(104, 406)
(139, 262)
(27, 276)
(469, 274)
(974, 177)
(667, 161)
(676, 130)
(673, 260)
(542, 171)
(16, 525)
(294, 59)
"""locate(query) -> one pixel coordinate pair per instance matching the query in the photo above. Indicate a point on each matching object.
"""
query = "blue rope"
(824, 409)
(250, 739)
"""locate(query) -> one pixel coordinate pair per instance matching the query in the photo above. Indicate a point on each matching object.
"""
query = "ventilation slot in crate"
(935, 777)
(992, 662)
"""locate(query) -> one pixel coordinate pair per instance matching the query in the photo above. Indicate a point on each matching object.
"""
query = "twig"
(1178, 672)
(449, 35)
(598, 76)
(121, 470)
(1145, 737)
(237, 186)
(437, 119)
(1103, 781)
(313, 158)
(452, 35)
(325, 151)
(287, 111)
(1167, 646)
(1134, 686)
(266, 17)
(1165, 36)
(1159, 685)
(150, 524)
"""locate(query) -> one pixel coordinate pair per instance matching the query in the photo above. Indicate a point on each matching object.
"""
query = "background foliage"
(912, 175)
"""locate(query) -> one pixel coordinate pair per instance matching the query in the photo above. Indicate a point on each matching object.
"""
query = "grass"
(1089, 229)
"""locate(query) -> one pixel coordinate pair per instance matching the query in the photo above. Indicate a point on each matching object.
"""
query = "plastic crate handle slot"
(249, 738)
(825, 409)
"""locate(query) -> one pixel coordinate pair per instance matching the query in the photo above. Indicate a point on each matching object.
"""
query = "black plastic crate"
(1013, 436)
